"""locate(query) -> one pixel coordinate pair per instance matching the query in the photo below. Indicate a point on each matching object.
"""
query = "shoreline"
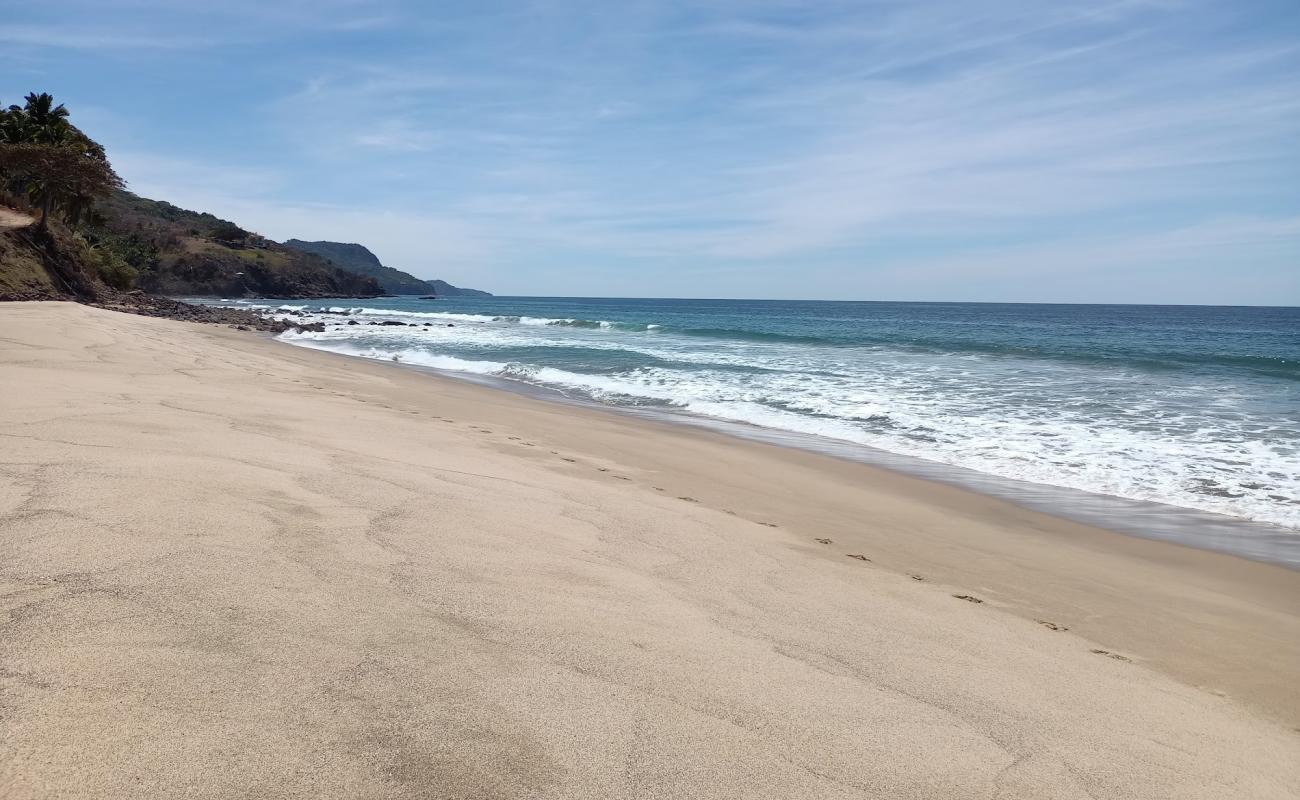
(897, 480)
(1184, 499)
(1264, 542)
(311, 520)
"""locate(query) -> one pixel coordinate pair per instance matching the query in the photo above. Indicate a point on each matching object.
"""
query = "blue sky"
(1015, 150)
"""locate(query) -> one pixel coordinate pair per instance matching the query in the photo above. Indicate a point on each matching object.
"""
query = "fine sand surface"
(234, 568)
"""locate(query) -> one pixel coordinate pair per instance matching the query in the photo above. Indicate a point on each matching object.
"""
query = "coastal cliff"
(181, 252)
(132, 242)
(52, 264)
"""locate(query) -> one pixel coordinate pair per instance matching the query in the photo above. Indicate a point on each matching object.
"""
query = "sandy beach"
(234, 568)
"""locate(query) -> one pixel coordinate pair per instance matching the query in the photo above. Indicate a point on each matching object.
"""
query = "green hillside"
(179, 252)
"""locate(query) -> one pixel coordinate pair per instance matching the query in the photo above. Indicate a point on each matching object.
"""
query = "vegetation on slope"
(179, 252)
(93, 235)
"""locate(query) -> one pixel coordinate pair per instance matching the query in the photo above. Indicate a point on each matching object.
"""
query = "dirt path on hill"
(13, 219)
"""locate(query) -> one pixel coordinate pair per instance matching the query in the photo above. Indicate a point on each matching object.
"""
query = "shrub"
(229, 232)
(114, 270)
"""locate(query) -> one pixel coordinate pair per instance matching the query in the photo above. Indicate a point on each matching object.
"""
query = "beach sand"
(234, 568)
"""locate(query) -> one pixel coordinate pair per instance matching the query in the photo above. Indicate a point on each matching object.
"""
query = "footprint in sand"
(968, 598)
(858, 556)
(1109, 654)
(688, 499)
(769, 524)
(602, 469)
(570, 460)
(822, 541)
(1051, 626)
(659, 488)
(916, 577)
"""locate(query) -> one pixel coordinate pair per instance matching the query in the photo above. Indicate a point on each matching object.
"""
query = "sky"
(1004, 150)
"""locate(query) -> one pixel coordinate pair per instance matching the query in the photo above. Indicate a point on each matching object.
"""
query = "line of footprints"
(970, 598)
(855, 556)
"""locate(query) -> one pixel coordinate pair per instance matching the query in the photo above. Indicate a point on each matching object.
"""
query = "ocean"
(1192, 407)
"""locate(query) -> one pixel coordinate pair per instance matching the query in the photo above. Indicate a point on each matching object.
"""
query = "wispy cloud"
(165, 177)
(396, 135)
(62, 36)
(118, 26)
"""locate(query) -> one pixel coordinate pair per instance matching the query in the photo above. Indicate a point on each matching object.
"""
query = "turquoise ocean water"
(1192, 407)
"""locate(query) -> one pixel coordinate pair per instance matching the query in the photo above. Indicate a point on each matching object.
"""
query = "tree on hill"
(46, 158)
(63, 176)
(46, 122)
(229, 233)
(39, 121)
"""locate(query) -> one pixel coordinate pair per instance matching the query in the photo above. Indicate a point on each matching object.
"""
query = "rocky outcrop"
(149, 305)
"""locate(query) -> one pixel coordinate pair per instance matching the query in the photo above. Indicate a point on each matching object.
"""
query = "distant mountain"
(357, 259)
(444, 289)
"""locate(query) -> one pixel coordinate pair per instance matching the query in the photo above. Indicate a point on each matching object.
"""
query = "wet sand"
(230, 567)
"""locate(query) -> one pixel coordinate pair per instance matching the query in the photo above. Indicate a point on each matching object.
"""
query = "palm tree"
(46, 122)
(45, 157)
(13, 125)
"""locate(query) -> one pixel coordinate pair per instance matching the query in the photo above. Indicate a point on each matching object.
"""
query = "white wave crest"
(446, 315)
(949, 409)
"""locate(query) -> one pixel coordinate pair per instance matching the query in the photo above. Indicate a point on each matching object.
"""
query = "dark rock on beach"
(150, 305)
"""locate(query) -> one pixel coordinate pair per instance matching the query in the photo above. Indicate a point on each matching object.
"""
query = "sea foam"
(1126, 418)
